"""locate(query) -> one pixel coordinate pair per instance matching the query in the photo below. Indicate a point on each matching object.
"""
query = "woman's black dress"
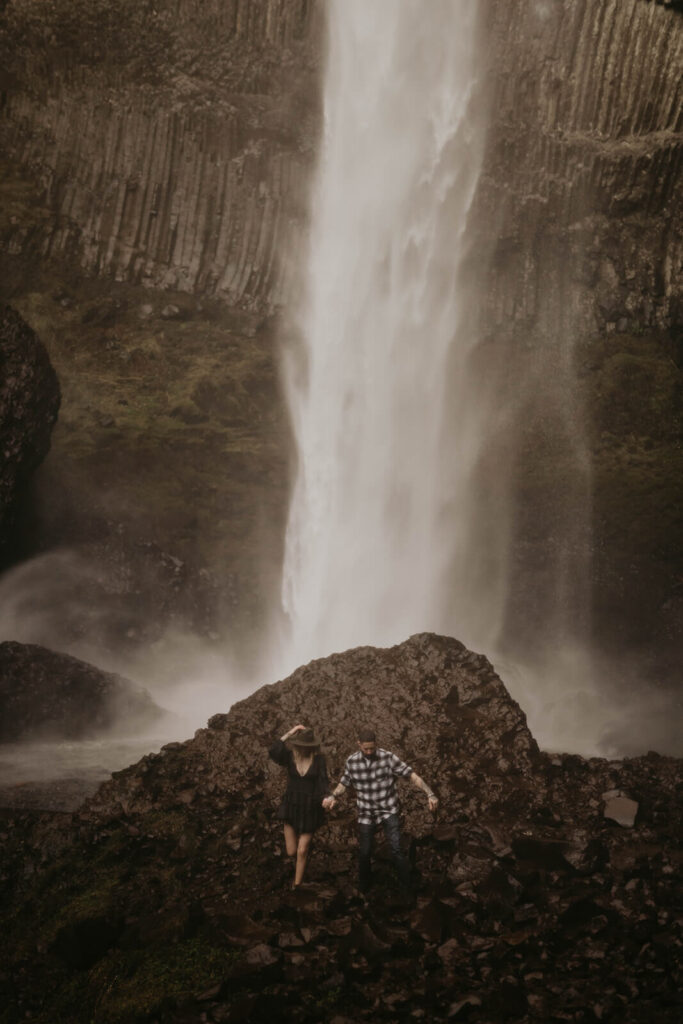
(301, 806)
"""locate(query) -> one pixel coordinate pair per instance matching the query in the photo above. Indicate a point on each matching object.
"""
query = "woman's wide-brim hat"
(304, 738)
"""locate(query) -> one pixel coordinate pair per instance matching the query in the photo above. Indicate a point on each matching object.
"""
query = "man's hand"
(329, 802)
(432, 800)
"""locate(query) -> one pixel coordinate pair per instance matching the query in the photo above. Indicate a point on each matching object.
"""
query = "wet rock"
(552, 910)
(171, 312)
(262, 956)
(428, 921)
(171, 924)
(543, 853)
(366, 941)
(461, 1009)
(47, 694)
(620, 808)
(450, 952)
(29, 403)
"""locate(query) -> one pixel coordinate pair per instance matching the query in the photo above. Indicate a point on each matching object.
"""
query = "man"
(373, 773)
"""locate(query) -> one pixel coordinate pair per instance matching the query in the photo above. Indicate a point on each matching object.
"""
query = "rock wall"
(29, 401)
(197, 181)
(164, 145)
(47, 694)
(577, 235)
(191, 201)
(584, 162)
(546, 888)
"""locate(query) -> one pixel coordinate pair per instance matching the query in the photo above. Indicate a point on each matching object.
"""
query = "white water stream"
(378, 513)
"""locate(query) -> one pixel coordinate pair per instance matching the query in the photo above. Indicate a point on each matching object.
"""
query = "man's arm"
(338, 791)
(421, 784)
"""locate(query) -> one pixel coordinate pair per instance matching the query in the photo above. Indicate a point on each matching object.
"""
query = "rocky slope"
(546, 889)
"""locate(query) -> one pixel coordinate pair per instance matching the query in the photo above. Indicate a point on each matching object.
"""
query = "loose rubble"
(29, 403)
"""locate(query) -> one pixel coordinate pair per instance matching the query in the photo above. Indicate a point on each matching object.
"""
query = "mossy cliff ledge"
(157, 161)
(545, 888)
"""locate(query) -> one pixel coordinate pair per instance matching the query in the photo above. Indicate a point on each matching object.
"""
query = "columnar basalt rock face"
(193, 183)
(190, 200)
(584, 162)
(29, 402)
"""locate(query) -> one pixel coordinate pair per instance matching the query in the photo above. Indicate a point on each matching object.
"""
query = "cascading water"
(369, 536)
(443, 478)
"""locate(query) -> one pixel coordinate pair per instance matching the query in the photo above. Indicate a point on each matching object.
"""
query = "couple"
(370, 770)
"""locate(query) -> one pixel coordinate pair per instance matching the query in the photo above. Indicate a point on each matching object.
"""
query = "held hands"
(329, 802)
(433, 803)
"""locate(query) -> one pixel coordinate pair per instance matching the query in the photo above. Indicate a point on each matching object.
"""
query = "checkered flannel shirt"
(374, 779)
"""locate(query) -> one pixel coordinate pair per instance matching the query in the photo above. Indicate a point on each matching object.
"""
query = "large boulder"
(45, 694)
(438, 705)
(29, 403)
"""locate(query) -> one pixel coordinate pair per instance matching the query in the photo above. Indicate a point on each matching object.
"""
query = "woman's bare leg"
(302, 849)
(291, 841)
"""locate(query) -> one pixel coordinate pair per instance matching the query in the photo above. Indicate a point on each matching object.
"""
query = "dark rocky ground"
(547, 889)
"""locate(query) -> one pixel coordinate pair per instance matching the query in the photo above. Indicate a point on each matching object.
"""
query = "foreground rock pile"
(547, 889)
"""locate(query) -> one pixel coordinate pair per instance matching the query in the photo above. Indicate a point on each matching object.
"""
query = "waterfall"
(369, 538)
(412, 430)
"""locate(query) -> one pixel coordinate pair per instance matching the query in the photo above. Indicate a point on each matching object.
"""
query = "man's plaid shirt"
(374, 779)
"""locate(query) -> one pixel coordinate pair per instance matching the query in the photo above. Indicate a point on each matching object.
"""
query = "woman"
(307, 784)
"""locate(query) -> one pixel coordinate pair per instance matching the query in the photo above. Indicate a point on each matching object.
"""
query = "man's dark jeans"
(366, 834)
